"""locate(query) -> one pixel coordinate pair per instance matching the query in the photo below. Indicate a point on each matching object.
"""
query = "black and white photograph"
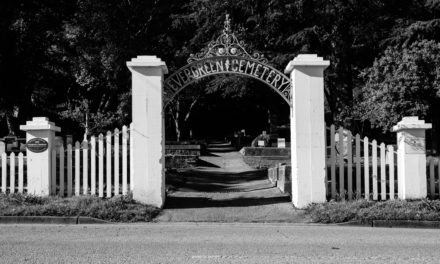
(220, 131)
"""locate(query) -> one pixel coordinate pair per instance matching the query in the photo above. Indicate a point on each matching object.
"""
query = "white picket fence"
(99, 166)
(433, 177)
(13, 173)
(358, 168)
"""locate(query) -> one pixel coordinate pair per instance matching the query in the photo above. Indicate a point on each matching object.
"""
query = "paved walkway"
(225, 189)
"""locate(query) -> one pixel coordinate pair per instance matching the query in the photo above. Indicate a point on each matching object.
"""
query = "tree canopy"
(66, 59)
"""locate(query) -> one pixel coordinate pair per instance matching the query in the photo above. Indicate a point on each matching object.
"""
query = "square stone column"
(307, 129)
(411, 158)
(39, 131)
(147, 130)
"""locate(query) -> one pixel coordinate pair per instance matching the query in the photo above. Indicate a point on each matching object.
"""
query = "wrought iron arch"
(226, 55)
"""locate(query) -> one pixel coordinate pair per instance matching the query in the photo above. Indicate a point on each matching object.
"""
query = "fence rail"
(433, 177)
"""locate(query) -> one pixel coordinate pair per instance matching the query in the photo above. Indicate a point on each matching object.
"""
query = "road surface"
(216, 243)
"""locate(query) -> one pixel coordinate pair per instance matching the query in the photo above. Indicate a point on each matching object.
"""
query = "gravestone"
(281, 143)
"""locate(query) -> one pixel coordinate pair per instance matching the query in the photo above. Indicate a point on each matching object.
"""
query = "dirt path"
(225, 189)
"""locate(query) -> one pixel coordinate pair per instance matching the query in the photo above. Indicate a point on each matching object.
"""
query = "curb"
(394, 223)
(73, 220)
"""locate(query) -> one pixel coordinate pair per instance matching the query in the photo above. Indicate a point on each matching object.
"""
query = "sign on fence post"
(411, 158)
(40, 139)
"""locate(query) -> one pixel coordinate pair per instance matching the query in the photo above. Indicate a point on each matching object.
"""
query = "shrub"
(366, 210)
(116, 209)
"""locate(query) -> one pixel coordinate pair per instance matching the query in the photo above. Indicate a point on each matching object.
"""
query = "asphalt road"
(216, 243)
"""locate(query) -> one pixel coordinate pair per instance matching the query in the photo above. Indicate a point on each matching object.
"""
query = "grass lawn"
(116, 209)
(366, 211)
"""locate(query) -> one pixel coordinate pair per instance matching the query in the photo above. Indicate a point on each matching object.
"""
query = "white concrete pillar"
(411, 158)
(40, 139)
(148, 129)
(307, 129)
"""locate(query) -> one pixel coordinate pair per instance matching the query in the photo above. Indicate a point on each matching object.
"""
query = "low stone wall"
(182, 156)
(265, 162)
(265, 157)
(180, 161)
(255, 151)
(281, 176)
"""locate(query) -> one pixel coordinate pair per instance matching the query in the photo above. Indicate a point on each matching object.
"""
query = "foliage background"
(65, 58)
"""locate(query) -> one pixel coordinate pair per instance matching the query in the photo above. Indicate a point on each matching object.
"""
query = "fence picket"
(53, 183)
(116, 151)
(349, 166)
(383, 176)
(358, 166)
(124, 160)
(77, 168)
(131, 157)
(4, 171)
(438, 173)
(12, 172)
(375, 175)
(20, 172)
(85, 164)
(391, 166)
(366, 169)
(61, 192)
(326, 171)
(108, 172)
(101, 165)
(69, 170)
(92, 165)
(341, 163)
(431, 178)
(333, 161)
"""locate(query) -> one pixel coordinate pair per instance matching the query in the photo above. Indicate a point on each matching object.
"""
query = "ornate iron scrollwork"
(226, 44)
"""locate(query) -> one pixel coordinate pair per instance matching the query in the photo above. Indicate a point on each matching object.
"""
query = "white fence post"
(39, 161)
(411, 158)
(147, 131)
(306, 72)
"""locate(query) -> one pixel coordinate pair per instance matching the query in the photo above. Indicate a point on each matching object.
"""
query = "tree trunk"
(178, 132)
(8, 117)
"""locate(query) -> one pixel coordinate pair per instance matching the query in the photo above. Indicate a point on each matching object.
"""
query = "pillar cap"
(147, 61)
(307, 60)
(411, 123)
(40, 123)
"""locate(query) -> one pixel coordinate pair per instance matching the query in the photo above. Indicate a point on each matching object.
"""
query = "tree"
(30, 71)
(405, 81)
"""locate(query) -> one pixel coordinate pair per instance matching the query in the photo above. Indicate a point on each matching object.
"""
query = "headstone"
(281, 143)
(69, 140)
(58, 141)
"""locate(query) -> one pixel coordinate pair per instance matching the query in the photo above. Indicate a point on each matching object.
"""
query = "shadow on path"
(224, 189)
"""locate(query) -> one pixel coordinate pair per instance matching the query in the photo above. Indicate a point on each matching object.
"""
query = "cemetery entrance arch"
(302, 89)
(226, 55)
